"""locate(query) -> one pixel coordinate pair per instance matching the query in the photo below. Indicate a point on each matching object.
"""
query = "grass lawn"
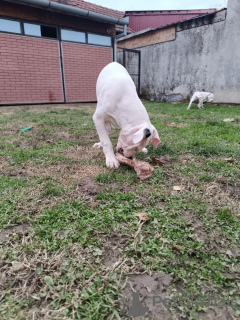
(71, 243)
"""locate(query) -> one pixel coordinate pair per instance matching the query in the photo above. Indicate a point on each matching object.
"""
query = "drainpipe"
(124, 33)
(62, 8)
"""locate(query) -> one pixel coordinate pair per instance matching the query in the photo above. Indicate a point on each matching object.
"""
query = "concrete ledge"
(148, 38)
(202, 20)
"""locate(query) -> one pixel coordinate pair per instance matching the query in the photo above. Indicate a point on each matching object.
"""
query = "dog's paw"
(112, 163)
(97, 145)
(145, 150)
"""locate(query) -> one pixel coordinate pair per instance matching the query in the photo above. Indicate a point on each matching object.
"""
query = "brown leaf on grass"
(177, 188)
(142, 216)
(230, 160)
(158, 161)
(162, 160)
(177, 249)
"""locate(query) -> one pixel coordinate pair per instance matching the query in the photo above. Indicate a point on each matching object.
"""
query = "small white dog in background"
(201, 97)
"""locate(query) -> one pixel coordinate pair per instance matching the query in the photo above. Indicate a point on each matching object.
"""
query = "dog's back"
(113, 75)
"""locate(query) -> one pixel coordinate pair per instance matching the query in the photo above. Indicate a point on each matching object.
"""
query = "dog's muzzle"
(120, 150)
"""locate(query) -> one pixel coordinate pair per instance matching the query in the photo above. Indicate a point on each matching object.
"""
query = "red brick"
(82, 65)
(25, 70)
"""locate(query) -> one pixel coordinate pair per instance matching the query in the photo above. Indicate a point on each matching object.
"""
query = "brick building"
(53, 51)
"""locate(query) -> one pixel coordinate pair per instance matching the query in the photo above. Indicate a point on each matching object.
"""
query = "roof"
(141, 20)
(153, 12)
(136, 34)
(92, 7)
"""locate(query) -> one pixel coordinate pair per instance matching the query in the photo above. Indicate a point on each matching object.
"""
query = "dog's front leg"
(106, 144)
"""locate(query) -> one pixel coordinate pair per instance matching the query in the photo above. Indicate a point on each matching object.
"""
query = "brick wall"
(29, 70)
(82, 65)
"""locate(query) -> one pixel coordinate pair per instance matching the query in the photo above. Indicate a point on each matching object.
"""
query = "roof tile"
(92, 7)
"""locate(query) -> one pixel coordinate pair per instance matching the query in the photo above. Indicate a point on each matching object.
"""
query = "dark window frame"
(22, 21)
(58, 27)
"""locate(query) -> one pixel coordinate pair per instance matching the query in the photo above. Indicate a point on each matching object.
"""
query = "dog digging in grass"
(201, 97)
(118, 104)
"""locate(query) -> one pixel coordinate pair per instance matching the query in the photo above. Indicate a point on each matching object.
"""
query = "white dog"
(201, 97)
(118, 104)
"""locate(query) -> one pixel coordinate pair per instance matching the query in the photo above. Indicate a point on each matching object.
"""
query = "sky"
(134, 5)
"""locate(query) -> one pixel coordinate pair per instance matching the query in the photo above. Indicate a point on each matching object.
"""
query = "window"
(73, 36)
(40, 30)
(49, 32)
(10, 26)
(32, 29)
(97, 39)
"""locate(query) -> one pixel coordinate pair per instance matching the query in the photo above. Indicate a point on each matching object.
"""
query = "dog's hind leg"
(200, 103)
(191, 101)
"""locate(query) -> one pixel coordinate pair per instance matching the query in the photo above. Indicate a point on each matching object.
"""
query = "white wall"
(204, 58)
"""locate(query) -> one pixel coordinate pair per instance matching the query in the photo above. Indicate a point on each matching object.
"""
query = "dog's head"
(210, 97)
(137, 138)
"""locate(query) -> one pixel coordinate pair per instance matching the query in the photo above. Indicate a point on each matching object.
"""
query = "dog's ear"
(155, 138)
(138, 136)
(141, 134)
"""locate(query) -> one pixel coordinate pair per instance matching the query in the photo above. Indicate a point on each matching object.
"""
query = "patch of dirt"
(233, 191)
(112, 247)
(88, 107)
(65, 173)
(236, 123)
(201, 119)
(221, 198)
(188, 157)
(143, 296)
(177, 125)
(160, 204)
(84, 153)
(34, 137)
(199, 231)
(90, 187)
(3, 164)
(142, 200)
(21, 228)
(216, 313)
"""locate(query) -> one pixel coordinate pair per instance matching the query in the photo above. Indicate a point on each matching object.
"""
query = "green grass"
(56, 266)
